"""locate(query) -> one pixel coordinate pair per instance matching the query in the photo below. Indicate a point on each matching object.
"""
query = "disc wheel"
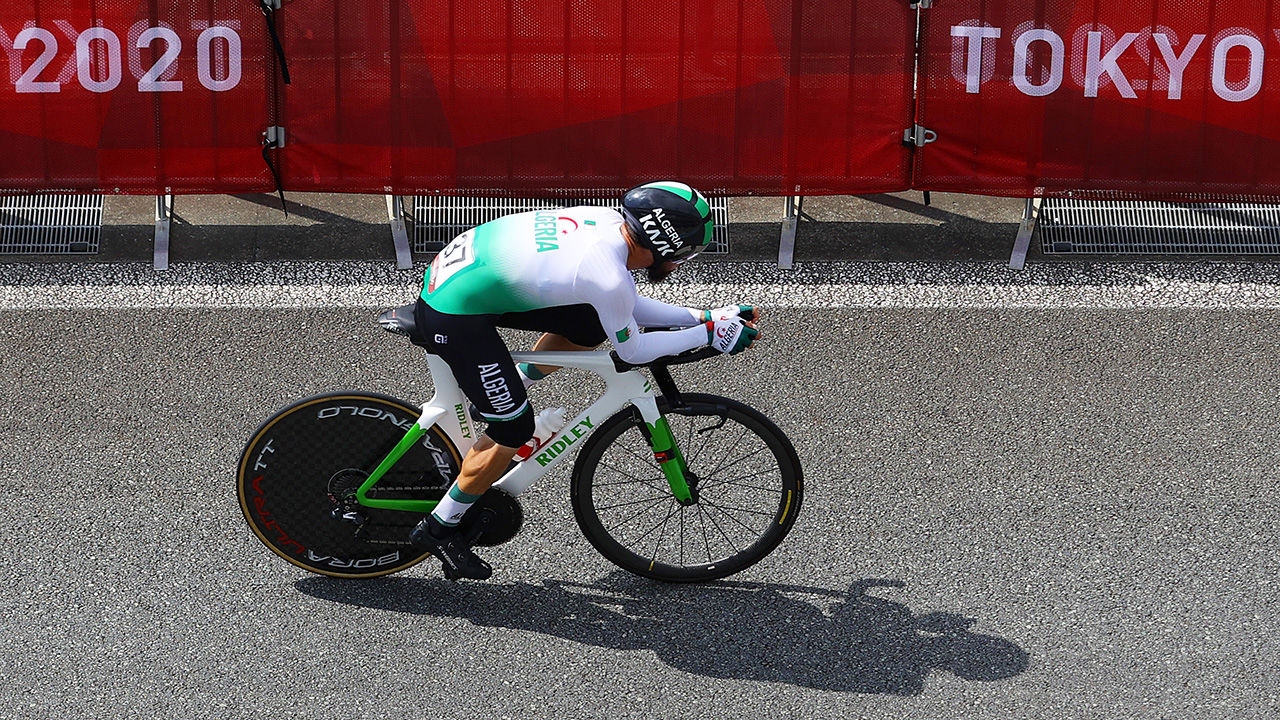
(744, 471)
(299, 472)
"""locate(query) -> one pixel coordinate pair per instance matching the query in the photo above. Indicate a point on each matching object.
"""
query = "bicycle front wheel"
(299, 473)
(745, 473)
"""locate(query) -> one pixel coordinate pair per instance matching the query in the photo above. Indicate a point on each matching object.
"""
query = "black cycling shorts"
(482, 364)
(580, 324)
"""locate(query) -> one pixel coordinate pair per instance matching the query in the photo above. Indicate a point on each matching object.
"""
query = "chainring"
(494, 519)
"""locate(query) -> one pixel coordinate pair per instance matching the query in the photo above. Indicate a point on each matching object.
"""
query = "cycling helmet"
(669, 218)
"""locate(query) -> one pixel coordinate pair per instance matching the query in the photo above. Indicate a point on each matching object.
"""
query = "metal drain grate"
(1158, 228)
(50, 224)
(437, 219)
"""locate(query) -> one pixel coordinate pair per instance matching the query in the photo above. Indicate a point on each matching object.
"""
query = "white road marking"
(28, 286)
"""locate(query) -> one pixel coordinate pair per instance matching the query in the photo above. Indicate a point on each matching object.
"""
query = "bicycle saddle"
(400, 321)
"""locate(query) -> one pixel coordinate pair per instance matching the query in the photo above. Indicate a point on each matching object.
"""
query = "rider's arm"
(655, 313)
(636, 347)
(611, 289)
(612, 292)
(730, 335)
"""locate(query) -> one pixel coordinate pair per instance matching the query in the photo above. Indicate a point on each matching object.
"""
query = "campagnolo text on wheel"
(671, 485)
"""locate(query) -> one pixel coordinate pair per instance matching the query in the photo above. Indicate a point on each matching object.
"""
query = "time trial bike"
(674, 486)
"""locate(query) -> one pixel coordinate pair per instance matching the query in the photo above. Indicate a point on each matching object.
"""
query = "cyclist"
(565, 272)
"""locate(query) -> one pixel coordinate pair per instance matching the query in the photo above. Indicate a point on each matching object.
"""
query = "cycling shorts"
(482, 364)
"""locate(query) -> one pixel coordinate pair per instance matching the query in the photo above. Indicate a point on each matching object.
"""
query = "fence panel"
(569, 96)
(117, 96)
(1151, 98)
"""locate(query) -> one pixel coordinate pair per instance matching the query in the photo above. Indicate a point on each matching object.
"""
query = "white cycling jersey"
(552, 258)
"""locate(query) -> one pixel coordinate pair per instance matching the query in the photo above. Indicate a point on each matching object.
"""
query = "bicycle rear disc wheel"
(299, 472)
(747, 478)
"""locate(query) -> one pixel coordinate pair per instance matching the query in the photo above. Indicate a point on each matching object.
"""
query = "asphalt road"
(1009, 513)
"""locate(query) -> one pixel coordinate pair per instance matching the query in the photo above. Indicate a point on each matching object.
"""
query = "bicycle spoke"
(733, 448)
(706, 539)
(633, 479)
(692, 451)
(642, 482)
(713, 483)
(707, 440)
(661, 527)
(629, 503)
(635, 515)
(643, 462)
(743, 458)
(639, 450)
(743, 471)
(725, 509)
(723, 534)
(644, 533)
(681, 540)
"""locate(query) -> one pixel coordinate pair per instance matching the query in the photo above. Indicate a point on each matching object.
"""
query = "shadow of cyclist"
(812, 637)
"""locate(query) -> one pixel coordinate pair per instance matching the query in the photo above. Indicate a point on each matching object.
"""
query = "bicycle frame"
(448, 409)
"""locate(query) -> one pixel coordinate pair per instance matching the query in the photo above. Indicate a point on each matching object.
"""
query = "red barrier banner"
(568, 96)
(507, 97)
(113, 97)
(1155, 98)
(1151, 98)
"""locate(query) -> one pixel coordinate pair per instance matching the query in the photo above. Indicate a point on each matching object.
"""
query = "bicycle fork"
(666, 452)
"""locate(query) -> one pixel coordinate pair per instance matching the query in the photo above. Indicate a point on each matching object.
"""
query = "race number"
(455, 257)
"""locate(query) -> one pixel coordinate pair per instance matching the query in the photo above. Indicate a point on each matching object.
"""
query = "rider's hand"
(732, 335)
(749, 313)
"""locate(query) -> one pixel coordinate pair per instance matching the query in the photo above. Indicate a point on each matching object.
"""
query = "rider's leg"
(438, 533)
(482, 467)
(564, 328)
(485, 372)
(551, 342)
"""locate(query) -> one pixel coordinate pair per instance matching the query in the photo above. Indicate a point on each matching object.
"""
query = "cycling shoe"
(450, 546)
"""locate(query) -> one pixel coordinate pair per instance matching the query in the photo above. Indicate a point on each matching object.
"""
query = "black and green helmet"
(669, 218)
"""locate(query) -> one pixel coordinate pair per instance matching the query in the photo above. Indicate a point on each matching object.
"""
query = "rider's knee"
(512, 433)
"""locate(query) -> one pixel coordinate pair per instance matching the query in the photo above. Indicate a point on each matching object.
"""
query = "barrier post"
(399, 235)
(787, 243)
(164, 216)
(1030, 214)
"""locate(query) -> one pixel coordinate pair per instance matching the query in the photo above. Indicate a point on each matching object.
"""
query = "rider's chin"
(660, 270)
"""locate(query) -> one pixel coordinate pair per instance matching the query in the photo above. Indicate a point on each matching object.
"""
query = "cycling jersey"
(556, 258)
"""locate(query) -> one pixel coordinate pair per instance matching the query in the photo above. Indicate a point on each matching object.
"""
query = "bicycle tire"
(325, 446)
(748, 478)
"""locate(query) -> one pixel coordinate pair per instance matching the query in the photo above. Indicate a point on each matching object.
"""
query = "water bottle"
(547, 423)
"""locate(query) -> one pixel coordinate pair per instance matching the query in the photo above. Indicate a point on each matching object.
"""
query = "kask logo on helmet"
(656, 223)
